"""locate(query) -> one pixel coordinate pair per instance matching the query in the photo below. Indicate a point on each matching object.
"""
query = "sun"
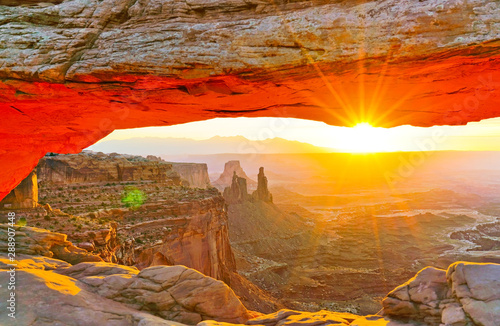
(364, 138)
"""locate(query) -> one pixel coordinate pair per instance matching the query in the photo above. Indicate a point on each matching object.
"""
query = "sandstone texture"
(53, 292)
(466, 294)
(25, 195)
(88, 167)
(295, 318)
(35, 241)
(73, 71)
(193, 174)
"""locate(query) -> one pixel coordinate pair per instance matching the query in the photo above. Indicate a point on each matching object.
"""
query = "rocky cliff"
(167, 225)
(226, 178)
(192, 233)
(25, 195)
(97, 293)
(88, 167)
(192, 174)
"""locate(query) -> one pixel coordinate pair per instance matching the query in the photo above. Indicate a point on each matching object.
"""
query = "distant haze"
(475, 136)
(216, 145)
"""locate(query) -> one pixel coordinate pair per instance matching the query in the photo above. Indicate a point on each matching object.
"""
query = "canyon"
(271, 250)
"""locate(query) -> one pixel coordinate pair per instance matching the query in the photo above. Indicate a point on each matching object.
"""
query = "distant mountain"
(215, 145)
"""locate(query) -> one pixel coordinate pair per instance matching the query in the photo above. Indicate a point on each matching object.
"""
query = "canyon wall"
(195, 235)
(195, 174)
(89, 167)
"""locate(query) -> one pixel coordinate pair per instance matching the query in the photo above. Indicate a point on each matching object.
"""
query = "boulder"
(46, 298)
(466, 294)
(477, 289)
(102, 293)
(34, 241)
(171, 292)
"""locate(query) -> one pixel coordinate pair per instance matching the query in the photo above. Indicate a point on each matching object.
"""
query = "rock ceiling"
(73, 71)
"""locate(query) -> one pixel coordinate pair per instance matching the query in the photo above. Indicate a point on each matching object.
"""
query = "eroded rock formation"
(35, 241)
(465, 294)
(227, 177)
(25, 195)
(262, 193)
(237, 192)
(73, 72)
(194, 234)
(108, 294)
(88, 167)
(193, 174)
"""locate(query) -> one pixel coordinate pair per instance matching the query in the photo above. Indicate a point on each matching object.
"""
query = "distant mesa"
(99, 167)
(192, 174)
(226, 178)
(237, 192)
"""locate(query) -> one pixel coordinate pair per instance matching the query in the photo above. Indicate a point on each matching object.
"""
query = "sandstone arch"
(71, 73)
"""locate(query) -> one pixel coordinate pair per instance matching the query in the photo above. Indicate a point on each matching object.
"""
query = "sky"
(484, 135)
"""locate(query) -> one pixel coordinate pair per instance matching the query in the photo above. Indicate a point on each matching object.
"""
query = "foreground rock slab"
(35, 241)
(46, 298)
(97, 293)
(466, 294)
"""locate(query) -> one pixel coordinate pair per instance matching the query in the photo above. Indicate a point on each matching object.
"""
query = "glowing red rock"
(72, 73)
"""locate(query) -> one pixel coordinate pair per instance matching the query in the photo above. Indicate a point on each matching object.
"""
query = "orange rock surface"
(73, 72)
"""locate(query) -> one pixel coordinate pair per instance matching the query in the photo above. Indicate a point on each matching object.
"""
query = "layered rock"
(35, 241)
(73, 72)
(465, 294)
(102, 242)
(25, 195)
(88, 167)
(226, 178)
(193, 174)
(194, 235)
(109, 294)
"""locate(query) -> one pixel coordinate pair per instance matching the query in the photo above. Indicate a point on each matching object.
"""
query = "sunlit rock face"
(72, 72)
(25, 195)
(98, 167)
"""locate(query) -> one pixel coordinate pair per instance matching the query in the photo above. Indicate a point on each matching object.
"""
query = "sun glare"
(364, 138)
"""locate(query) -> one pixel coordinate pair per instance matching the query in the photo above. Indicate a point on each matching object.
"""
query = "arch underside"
(72, 73)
